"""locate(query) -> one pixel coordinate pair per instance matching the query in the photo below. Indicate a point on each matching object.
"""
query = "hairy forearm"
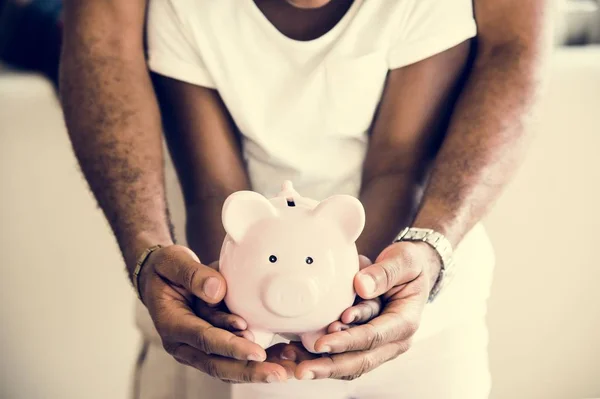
(114, 125)
(486, 140)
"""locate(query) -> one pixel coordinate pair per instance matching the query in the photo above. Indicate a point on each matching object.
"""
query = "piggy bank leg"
(309, 339)
(262, 338)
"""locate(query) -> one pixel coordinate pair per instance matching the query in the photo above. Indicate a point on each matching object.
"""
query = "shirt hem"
(179, 70)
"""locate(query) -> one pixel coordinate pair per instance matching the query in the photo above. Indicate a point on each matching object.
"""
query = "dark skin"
(448, 177)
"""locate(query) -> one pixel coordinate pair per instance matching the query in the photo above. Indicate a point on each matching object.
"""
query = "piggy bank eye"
(309, 260)
(272, 258)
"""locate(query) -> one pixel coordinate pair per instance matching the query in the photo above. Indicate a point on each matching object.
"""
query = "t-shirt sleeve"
(171, 50)
(431, 26)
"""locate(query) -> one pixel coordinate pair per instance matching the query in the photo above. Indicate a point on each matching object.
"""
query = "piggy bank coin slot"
(290, 202)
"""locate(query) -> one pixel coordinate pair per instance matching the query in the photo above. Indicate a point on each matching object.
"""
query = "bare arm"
(113, 119)
(485, 139)
(485, 142)
(408, 129)
(489, 130)
(114, 123)
(207, 155)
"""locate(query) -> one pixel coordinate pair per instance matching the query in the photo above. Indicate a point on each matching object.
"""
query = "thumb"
(394, 267)
(180, 266)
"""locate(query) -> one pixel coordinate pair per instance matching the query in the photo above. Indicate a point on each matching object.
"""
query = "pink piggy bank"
(290, 262)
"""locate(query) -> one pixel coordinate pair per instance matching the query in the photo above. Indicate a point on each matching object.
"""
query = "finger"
(214, 265)
(337, 326)
(180, 266)
(398, 322)
(363, 262)
(396, 268)
(220, 318)
(362, 312)
(176, 323)
(247, 334)
(275, 354)
(350, 365)
(295, 352)
(230, 369)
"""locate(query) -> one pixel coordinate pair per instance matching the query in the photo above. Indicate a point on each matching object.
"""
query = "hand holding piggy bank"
(290, 262)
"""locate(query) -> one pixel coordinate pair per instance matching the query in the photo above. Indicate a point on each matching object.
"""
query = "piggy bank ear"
(243, 209)
(346, 211)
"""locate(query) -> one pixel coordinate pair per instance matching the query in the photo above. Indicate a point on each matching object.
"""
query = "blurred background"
(66, 307)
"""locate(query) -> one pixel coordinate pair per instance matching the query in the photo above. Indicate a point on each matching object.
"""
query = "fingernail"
(325, 349)
(288, 354)
(368, 282)
(238, 324)
(272, 378)
(256, 357)
(307, 375)
(354, 317)
(211, 287)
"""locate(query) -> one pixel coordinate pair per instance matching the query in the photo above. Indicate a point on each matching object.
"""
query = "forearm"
(486, 140)
(390, 201)
(207, 155)
(114, 125)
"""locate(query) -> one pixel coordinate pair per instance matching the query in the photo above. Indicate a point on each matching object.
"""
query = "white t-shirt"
(304, 107)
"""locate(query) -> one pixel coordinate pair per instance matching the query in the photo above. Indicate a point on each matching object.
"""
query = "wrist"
(138, 243)
(431, 261)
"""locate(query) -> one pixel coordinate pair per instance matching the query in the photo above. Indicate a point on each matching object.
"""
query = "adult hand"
(362, 311)
(219, 316)
(169, 281)
(402, 275)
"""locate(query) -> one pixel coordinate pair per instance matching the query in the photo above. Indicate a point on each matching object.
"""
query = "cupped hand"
(362, 311)
(402, 276)
(169, 282)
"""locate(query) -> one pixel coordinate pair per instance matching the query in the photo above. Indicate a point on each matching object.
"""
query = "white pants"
(451, 365)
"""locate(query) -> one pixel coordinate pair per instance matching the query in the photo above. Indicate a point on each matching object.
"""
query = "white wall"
(545, 306)
(66, 309)
(65, 305)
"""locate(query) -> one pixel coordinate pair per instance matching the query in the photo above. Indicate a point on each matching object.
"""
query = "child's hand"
(362, 311)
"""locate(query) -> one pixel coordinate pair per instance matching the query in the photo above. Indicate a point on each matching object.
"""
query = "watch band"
(441, 245)
(138, 268)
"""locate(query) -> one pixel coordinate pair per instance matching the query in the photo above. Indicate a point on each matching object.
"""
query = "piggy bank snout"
(289, 296)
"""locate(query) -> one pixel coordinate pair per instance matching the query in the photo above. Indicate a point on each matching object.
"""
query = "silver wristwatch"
(441, 245)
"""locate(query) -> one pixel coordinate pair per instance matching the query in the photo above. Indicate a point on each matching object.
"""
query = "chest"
(278, 87)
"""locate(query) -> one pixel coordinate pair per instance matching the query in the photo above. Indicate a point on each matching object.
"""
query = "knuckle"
(375, 337)
(201, 341)
(175, 350)
(211, 368)
(366, 365)
(410, 327)
(404, 346)
(189, 274)
(390, 271)
(409, 262)
(250, 374)
(169, 347)
(163, 328)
